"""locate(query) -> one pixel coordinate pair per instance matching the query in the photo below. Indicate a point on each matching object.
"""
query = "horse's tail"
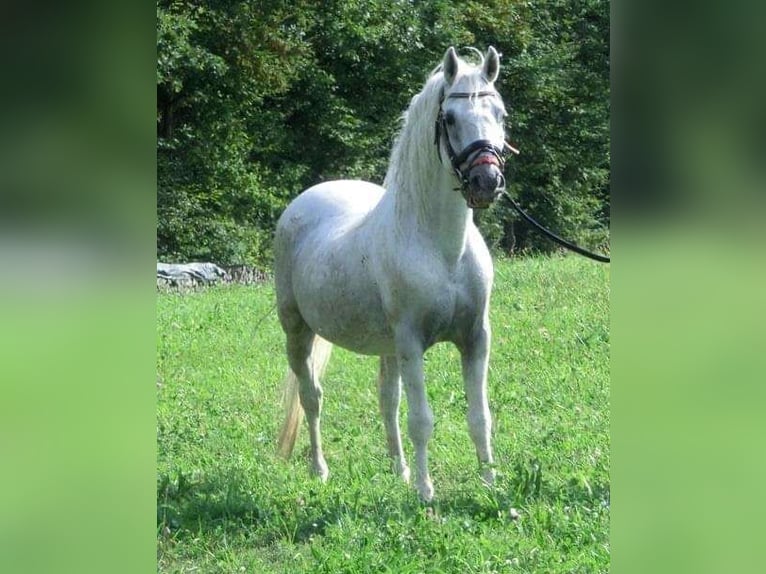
(320, 355)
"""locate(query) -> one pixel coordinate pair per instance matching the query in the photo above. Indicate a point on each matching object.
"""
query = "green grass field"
(226, 503)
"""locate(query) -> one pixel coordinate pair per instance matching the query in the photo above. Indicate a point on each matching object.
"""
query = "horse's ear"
(449, 66)
(491, 65)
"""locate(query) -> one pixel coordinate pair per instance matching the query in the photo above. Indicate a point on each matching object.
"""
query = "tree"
(259, 100)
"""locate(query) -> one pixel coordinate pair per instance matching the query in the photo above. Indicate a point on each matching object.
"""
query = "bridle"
(482, 146)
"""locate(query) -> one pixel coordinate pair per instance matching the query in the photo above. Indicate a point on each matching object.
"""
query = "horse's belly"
(366, 342)
(339, 298)
(350, 321)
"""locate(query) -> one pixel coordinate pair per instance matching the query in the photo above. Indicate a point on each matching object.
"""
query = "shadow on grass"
(229, 506)
(190, 503)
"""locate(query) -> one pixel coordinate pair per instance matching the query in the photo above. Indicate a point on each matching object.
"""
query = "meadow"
(226, 503)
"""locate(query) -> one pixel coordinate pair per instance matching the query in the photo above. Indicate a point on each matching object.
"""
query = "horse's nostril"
(500, 181)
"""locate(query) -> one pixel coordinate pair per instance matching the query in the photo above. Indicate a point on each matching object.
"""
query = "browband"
(467, 95)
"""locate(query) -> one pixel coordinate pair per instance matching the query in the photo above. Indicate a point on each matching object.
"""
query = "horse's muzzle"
(485, 183)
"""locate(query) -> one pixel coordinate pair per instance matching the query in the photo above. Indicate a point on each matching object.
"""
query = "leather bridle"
(481, 146)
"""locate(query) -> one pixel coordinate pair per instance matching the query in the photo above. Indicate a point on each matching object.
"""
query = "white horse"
(392, 270)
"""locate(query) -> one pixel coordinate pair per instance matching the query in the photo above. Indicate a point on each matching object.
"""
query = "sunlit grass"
(226, 503)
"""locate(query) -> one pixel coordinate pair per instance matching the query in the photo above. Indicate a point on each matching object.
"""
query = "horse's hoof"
(488, 476)
(401, 470)
(425, 491)
(321, 471)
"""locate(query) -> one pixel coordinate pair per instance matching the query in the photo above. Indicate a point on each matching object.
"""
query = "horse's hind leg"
(300, 342)
(389, 396)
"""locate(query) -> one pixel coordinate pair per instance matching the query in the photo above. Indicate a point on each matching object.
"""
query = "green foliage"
(227, 503)
(556, 81)
(258, 100)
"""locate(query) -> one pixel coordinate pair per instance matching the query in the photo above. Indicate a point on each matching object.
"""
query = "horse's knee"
(478, 420)
(388, 400)
(311, 398)
(420, 424)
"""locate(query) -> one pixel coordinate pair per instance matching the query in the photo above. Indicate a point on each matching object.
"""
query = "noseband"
(482, 146)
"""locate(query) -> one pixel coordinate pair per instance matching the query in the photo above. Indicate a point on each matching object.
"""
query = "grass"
(226, 503)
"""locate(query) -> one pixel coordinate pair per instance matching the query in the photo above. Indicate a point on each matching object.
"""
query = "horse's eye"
(450, 118)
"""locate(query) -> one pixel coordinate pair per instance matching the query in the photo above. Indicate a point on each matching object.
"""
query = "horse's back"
(325, 203)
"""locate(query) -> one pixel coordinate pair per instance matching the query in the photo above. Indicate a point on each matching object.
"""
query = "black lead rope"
(553, 236)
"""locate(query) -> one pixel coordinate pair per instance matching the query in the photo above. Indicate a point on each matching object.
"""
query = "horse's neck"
(421, 188)
(433, 210)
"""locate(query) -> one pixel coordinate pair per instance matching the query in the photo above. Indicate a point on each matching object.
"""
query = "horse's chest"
(446, 310)
(438, 317)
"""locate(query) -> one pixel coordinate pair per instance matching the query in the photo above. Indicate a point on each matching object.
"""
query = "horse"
(392, 270)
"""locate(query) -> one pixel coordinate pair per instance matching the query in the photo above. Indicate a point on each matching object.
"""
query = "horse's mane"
(415, 156)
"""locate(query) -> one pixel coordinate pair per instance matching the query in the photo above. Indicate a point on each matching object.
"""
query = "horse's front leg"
(475, 359)
(420, 419)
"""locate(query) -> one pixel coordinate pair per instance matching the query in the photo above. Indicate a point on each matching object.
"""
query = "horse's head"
(470, 127)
